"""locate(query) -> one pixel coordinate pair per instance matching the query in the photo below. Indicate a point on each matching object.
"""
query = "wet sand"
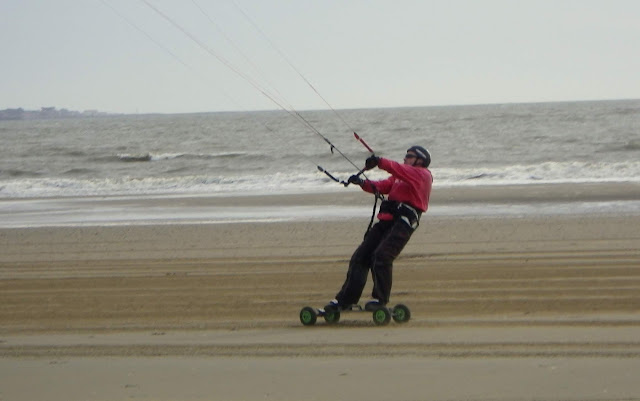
(503, 308)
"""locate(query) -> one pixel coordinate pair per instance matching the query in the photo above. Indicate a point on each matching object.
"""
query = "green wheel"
(401, 313)
(308, 316)
(381, 316)
(331, 314)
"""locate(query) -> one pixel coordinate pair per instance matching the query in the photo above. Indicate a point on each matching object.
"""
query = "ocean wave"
(549, 172)
(251, 184)
(134, 158)
(19, 173)
(222, 155)
(78, 171)
(174, 171)
(629, 146)
(67, 152)
(154, 157)
(632, 145)
(76, 182)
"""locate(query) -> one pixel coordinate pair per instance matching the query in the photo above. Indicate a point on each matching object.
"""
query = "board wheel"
(401, 313)
(331, 314)
(308, 316)
(381, 316)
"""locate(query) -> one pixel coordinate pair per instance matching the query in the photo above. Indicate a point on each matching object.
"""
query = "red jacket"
(407, 184)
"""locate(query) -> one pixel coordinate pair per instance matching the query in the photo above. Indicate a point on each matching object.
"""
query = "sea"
(278, 152)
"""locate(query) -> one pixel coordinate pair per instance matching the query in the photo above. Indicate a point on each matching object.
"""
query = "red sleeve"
(382, 186)
(404, 172)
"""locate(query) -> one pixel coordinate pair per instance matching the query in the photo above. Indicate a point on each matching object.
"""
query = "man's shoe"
(373, 305)
(335, 305)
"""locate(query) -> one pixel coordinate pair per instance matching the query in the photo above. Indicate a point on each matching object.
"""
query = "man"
(408, 189)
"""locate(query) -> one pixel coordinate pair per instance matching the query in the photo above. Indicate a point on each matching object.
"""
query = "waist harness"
(402, 211)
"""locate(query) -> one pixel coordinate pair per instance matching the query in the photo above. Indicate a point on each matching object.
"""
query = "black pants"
(382, 245)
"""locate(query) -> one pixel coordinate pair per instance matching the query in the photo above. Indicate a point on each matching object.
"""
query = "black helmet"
(422, 154)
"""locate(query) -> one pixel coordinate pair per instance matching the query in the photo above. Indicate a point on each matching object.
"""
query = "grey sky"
(80, 54)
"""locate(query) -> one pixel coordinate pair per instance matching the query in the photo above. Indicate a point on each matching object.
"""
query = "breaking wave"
(151, 157)
(265, 182)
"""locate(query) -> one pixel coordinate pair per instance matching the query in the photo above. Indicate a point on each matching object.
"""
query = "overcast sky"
(123, 56)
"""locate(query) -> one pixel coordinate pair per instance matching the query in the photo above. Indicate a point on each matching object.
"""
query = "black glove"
(371, 162)
(355, 179)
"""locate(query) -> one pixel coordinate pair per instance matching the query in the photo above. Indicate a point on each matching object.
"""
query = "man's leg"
(360, 264)
(383, 257)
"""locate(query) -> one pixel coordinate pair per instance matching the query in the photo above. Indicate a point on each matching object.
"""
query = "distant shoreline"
(49, 113)
(53, 113)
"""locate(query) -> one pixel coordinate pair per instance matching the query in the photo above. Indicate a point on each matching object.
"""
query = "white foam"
(313, 181)
(548, 172)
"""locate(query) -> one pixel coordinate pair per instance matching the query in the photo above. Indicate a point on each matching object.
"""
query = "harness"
(402, 211)
(398, 210)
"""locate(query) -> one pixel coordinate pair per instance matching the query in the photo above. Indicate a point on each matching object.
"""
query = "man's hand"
(355, 179)
(371, 162)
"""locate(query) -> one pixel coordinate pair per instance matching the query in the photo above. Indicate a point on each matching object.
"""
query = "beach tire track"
(422, 350)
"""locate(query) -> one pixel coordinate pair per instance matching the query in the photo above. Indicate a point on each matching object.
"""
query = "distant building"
(12, 114)
(46, 113)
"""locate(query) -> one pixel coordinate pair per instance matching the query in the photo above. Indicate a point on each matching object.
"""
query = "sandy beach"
(504, 307)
